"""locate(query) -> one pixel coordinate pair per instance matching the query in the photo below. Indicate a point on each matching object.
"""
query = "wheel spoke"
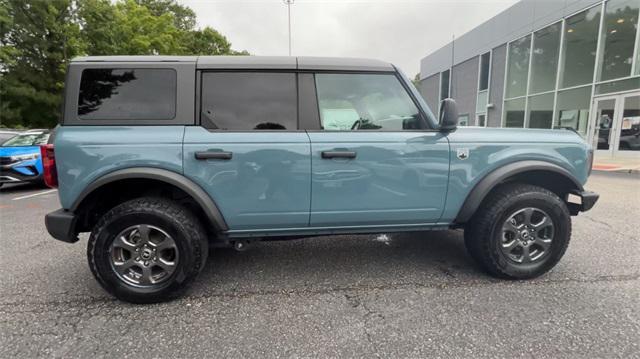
(166, 243)
(543, 243)
(123, 267)
(167, 266)
(526, 254)
(545, 222)
(528, 212)
(146, 275)
(122, 242)
(509, 246)
(510, 226)
(143, 229)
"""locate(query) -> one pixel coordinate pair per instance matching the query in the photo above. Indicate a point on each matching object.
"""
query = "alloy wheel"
(527, 235)
(143, 255)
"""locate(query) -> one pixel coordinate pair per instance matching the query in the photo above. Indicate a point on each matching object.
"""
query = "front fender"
(499, 175)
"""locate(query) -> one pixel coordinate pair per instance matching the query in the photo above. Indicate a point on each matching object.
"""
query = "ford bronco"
(161, 158)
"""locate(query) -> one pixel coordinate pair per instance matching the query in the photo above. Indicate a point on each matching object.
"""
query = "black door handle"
(213, 155)
(338, 154)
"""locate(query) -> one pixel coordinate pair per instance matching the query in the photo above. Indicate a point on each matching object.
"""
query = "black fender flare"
(172, 178)
(494, 178)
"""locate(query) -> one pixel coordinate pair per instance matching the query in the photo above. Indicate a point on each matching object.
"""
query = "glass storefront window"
(485, 60)
(540, 111)
(514, 113)
(579, 47)
(482, 120)
(619, 36)
(630, 127)
(618, 86)
(481, 103)
(544, 61)
(572, 109)
(463, 120)
(518, 67)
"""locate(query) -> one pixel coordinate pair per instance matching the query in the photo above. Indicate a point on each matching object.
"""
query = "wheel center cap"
(524, 234)
(146, 253)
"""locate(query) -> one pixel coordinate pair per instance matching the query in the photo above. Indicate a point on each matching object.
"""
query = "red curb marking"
(605, 167)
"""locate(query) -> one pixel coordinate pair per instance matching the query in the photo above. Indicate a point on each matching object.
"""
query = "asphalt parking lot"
(400, 295)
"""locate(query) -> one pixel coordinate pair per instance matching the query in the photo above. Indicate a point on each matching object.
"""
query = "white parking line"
(34, 194)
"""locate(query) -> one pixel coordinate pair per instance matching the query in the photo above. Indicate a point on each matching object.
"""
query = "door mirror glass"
(448, 115)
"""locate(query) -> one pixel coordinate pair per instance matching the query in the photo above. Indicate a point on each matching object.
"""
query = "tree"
(38, 38)
(127, 28)
(183, 17)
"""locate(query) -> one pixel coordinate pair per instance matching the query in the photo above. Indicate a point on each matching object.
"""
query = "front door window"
(350, 102)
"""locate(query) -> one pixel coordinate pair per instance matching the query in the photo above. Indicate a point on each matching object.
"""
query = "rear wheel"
(520, 232)
(147, 250)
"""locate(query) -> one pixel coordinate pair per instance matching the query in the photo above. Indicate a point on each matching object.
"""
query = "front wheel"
(520, 232)
(147, 250)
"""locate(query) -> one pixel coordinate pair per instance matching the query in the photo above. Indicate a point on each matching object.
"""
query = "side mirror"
(448, 115)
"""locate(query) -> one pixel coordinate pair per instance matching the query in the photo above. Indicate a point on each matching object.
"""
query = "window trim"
(198, 96)
(185, 90)
(175, 96)
(423, 116)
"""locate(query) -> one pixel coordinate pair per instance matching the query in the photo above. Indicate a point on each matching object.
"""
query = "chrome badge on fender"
(463, 153)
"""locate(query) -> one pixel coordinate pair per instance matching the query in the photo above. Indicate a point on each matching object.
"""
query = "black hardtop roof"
(255, 62)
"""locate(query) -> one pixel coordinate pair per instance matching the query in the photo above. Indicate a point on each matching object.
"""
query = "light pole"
(289, 3)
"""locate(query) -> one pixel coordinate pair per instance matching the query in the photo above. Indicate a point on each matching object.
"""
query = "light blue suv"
(161, 158)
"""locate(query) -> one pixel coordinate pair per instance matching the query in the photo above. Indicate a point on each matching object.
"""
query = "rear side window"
(244, 101)
(127, 94)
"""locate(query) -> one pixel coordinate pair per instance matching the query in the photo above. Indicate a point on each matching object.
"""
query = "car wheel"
(521, 231)
(147, 250)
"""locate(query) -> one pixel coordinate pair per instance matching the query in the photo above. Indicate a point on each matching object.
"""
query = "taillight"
(49, 165)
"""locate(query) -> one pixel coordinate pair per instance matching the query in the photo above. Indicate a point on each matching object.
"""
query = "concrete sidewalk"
(630, 164)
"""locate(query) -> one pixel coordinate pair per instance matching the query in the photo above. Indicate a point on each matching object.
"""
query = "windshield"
(27, 139)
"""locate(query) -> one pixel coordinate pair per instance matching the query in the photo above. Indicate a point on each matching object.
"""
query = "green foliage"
(39, 37)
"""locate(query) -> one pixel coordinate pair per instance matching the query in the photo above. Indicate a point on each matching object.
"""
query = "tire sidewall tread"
(172, 217)
(483, 229)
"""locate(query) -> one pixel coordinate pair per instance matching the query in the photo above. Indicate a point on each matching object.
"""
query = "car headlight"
(30, 156)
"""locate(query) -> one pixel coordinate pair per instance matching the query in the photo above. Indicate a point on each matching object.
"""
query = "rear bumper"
(61, 225)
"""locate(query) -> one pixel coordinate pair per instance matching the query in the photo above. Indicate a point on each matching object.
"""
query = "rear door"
(248, 153)
(374, 161)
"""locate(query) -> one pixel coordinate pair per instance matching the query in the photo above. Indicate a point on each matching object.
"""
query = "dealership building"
(547, 64)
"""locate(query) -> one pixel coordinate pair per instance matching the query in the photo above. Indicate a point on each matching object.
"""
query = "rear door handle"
(338, 154)
(213, 155)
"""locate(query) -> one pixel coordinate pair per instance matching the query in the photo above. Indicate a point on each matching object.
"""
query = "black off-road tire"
(176, 220)
(483, 234)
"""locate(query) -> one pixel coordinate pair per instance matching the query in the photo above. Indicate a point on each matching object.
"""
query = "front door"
(616, 126)
(248, 153)
(373, 160)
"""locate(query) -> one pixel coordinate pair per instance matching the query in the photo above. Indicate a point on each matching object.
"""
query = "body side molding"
(169, 177)
(494, 178)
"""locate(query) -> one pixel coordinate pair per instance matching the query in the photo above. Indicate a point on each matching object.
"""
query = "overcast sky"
(400, 31)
